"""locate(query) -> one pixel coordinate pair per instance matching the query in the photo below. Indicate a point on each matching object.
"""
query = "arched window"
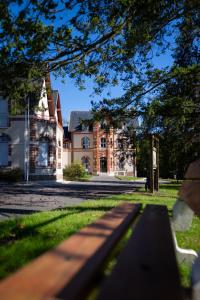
(85, 142)
(103, 142)
(85, 162)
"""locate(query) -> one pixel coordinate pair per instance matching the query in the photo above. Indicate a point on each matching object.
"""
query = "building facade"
(33, 139)
(97, 146)
(36, 142)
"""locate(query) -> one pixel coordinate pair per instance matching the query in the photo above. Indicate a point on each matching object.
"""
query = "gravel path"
(19, 199)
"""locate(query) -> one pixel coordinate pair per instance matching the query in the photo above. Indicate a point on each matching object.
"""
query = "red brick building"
(97, 147)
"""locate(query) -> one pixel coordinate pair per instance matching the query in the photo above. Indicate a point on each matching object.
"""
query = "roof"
(76, 117)
(49, 96)
(55, 97)
(56, 104)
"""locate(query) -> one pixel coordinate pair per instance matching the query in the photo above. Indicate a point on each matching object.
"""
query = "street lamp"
(26, 140)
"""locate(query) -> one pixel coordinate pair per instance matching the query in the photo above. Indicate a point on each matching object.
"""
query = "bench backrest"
(68, 271)
(148, 262)
(146, 268)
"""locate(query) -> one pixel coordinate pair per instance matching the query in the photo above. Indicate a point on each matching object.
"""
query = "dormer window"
(103, 125)
(3, 113)
(85, 127)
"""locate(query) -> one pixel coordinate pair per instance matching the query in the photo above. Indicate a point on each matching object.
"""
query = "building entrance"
(103, 165)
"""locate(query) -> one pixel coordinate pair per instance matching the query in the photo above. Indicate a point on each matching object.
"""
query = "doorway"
(103, 165)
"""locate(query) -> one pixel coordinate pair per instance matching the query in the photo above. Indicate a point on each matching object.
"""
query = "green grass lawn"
(128, 178)
(23, 239)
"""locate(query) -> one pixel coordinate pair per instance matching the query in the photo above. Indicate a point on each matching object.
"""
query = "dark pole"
(154, 164)
(157, 165)
(151, 171)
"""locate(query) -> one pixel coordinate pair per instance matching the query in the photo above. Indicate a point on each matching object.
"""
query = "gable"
(49, 96)
(57, 106)
(42, 110)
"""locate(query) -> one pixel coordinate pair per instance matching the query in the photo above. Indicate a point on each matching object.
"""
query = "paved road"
(21, 198)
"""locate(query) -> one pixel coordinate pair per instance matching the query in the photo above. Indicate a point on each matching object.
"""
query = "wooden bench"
(146, 266)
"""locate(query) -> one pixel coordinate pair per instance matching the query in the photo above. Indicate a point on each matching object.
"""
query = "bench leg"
(187, 256)
(181, 221)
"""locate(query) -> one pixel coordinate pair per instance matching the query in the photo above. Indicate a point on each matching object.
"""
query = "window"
(120, 144)
(43, 154)
(94, 142)
(85, 127)
(59, 153)
(85, 162)
(65, 145)
(103, 125)
(85, 142)
(121, 163)
(3, 153)
(3, 113)
(103, 142)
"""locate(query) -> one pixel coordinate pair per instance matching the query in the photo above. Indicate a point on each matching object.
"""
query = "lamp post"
(26, 140)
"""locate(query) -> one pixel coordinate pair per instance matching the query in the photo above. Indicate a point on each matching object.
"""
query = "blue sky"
(74, 99)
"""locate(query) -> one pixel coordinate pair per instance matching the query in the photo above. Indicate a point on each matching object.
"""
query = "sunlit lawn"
(128, 178)
(23, 239)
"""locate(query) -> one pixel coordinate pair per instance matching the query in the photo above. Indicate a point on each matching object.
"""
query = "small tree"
(74, 172)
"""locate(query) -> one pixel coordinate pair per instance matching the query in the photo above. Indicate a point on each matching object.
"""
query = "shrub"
(74, 172)
(11, 175)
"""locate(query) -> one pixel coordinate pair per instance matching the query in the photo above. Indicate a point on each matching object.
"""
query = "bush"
(74, 172)
(11, 175)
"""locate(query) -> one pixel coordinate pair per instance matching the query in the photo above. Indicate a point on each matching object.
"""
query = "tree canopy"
(113, 42)
(175, 112)
(110, 41)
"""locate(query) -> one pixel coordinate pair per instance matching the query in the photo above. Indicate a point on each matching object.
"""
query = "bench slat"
(147, 267)
(69, 269)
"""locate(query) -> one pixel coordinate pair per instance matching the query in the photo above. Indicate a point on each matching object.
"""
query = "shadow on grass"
(20, 232)
(120, 182)
(158, 194)
(20, 211)
(170, 186)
